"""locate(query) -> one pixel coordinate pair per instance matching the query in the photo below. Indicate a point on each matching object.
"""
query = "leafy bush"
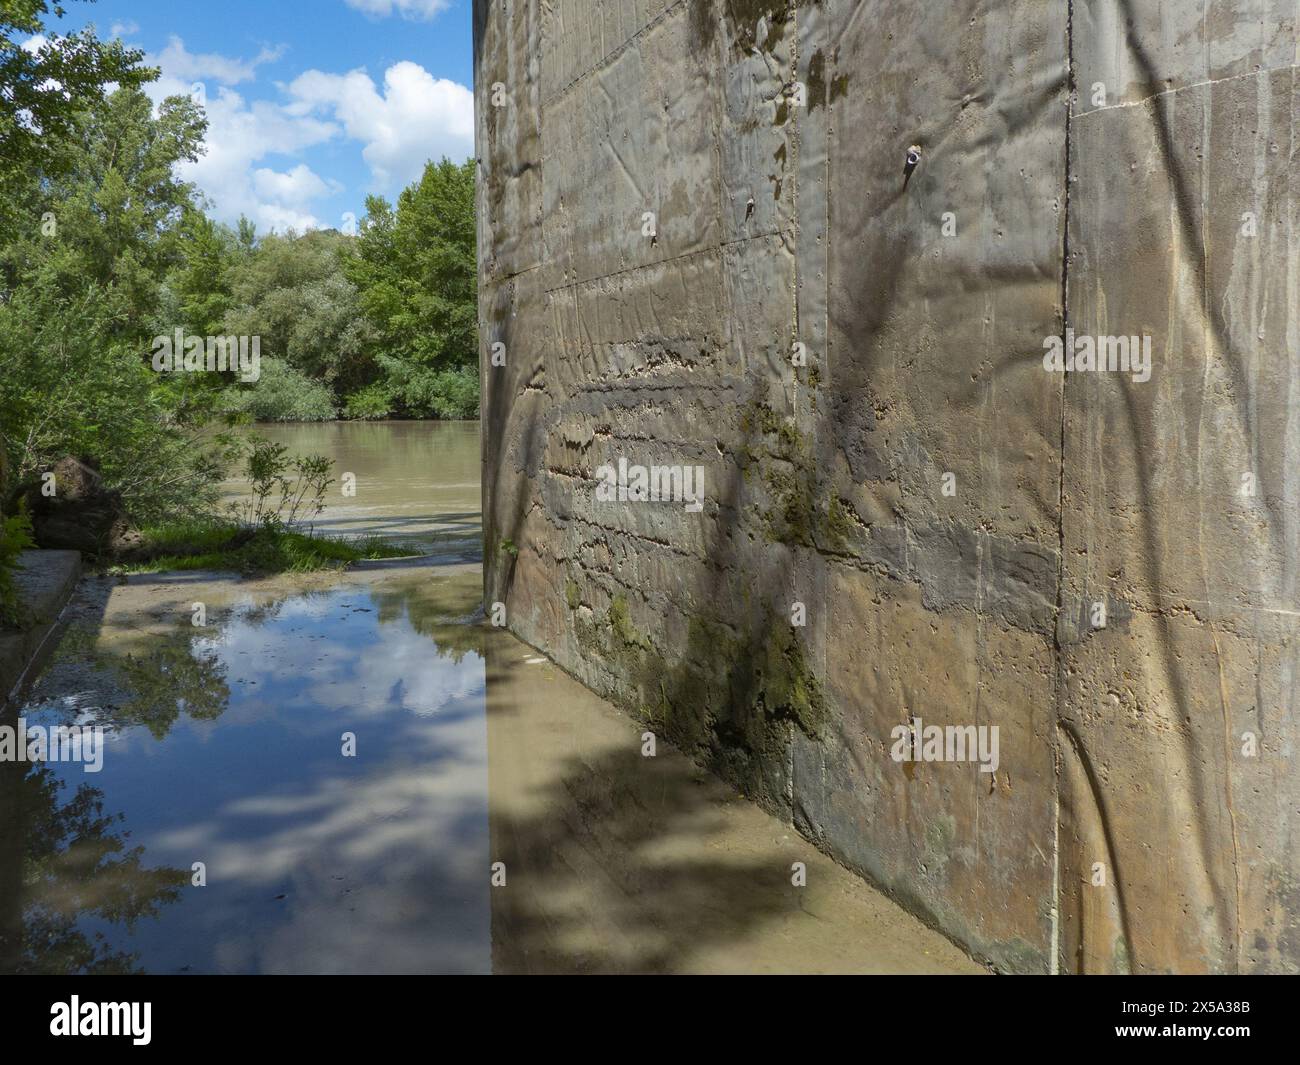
(15, 536)
(68, 388)
(437, 393)
(281, 394)
(260, 535)
(296, 486)
(374, 401)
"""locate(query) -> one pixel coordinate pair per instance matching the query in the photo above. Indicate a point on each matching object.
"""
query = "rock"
(82, 514)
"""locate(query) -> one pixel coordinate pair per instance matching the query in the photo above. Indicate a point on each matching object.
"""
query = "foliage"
(292, 292)
(281, 394)
(376, 400)
(64, 391)
(202, 286)
(103, 247)
(433, 393)
(80, 294)
(283, 491)
(415, 271)
(264, 534)
(15, 537)
(44, 89)
(217, 545)
(386, 321)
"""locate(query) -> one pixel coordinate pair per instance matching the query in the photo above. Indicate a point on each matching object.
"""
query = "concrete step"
(44, 580)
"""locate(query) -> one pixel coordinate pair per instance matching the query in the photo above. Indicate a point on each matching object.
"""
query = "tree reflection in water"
(63, 859)
(73, 885)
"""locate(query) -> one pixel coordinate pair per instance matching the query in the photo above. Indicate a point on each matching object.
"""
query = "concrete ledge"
(45, 580)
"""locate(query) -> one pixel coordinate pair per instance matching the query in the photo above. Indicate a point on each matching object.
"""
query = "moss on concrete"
(802, 512)
(731, 699)
(620, 624)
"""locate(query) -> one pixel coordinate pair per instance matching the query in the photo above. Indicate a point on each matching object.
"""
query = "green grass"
(226, 546)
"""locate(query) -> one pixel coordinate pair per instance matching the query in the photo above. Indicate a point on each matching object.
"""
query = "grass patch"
(261, 551)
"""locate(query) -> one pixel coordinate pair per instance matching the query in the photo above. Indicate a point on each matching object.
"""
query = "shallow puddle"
(348, 758)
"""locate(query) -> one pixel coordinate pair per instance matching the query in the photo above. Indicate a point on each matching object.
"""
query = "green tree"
(109, 214)
(292, 293)
(281, 394)
(44, 89)
(416, 272)
(203, 284)
(81, 294)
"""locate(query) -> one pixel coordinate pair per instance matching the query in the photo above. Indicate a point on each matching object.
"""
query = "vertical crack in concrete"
(1054, 962)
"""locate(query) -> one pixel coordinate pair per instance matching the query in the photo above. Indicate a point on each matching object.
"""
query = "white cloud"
(421, 10)
(128, 28)
(416, 117)
(298, 184)
(241, 134)
(411, 117)
(179, 63)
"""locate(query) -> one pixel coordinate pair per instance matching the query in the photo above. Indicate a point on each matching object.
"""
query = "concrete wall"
(947, 511)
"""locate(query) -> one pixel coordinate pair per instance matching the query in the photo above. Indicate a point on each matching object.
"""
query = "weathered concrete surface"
(1198, 130)
(43, 580)
(622, 863)
(945, 509)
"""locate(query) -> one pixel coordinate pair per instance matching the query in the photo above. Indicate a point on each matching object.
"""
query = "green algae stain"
(743, 18)
(816, 81)
(620, 623)
(730, 699)
(802, 513)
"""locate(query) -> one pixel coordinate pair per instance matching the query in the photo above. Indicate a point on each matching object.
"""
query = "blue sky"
(312, 104)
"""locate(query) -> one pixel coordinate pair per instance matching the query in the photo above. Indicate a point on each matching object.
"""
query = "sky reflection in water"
(226, 748)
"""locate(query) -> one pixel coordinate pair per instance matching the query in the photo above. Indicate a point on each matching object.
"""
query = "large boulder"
(79, 513)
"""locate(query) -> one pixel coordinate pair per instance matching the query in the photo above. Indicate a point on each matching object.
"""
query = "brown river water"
(337, 773)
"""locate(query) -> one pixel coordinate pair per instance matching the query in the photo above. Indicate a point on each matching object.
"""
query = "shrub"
(281, 394)
(15, 536)
(373, 401)
(284, 492)
(437, 393)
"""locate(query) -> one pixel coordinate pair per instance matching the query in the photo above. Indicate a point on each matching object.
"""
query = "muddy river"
(411, 482)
